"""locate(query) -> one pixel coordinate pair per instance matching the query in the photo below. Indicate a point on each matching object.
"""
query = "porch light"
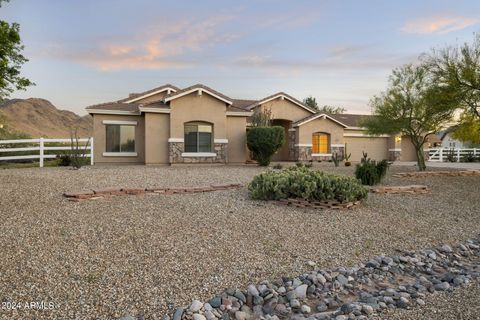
(398, 139)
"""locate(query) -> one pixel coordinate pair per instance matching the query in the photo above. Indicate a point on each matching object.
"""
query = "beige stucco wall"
(193, 107)
(375, 147)
(157, 132)
(237, 139)
(408, 150)
(285, 109)
(305, 131)
(99, 131)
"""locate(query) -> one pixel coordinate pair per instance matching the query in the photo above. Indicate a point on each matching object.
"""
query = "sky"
(339, 51)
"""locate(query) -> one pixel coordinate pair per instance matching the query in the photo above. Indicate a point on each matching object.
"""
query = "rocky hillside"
(39, 118)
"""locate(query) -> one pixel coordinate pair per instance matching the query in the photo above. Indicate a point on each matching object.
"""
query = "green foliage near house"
(305, 183)
(331, 109)
(264, 142)
(311, 102)
(261, 117)
(457, 68)
(468, 129)
(415, 105)
(371, 172)
(11, 59)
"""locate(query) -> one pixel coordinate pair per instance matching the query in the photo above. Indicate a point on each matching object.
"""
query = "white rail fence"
(38, 148)
(442, 154)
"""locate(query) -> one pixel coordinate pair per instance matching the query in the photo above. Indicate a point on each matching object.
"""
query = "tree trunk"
(420, 157)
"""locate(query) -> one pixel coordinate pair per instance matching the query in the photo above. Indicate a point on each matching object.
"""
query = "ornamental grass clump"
(305, 183)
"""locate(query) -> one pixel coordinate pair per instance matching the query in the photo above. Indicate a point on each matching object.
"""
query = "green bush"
(264, 142)
(304, 183)
(369, 172)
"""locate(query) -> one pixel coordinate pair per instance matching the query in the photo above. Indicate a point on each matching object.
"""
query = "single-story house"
(169, 125)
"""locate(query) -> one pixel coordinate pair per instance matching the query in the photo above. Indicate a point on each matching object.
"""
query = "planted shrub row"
(305, 183)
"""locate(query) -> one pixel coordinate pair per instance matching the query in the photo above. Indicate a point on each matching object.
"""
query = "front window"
(120, 138)
(198, 137)
(320, 142)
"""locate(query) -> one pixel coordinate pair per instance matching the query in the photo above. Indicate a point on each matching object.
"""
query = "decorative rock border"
(401, 189)
(399, 281)
(462, 173)
(107, 192)
(331, 204)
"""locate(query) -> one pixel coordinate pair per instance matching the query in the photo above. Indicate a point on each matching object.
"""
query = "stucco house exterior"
(169, 125)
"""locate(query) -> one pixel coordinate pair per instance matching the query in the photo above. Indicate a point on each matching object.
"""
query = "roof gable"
(138, 96)
(282, 95)
(200, 89)
(316, 116)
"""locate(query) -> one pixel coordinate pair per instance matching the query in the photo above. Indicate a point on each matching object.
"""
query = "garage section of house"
(377, 147)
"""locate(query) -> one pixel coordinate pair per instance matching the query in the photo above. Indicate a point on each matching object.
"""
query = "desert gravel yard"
(135, 255)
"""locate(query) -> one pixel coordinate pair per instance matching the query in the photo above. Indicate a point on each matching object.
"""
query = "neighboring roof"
(316, 116)
(137, 96)
(281, 95)
(201, 88)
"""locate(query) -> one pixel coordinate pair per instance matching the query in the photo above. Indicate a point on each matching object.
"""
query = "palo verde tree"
(413, 105)
(457, 68)
(468, 129)
(11, 59)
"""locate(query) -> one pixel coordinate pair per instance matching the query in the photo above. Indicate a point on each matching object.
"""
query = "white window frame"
(120, 153)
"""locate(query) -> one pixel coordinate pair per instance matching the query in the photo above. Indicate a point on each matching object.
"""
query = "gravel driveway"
(143, 254)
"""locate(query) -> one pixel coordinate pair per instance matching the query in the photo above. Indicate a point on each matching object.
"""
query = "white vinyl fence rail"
(38, 148)
(441, 154)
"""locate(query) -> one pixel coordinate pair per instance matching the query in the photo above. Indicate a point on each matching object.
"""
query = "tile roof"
(136, 95)
(281, 93)
(198, 86)
(242, 103)
(238, 105)
(350, 120)
(115, 106)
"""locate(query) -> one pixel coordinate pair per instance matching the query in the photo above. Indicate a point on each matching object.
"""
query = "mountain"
(40, 118)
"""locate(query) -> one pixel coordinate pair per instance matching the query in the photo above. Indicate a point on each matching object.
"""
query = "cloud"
(438, 24)
(164, 45)
(345, 59)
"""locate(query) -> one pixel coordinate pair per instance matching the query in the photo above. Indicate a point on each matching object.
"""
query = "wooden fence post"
(41, 152)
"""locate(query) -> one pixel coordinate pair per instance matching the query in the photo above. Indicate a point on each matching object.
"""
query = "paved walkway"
(455, 165)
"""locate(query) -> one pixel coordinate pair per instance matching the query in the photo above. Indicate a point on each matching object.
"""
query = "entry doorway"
(283, 153)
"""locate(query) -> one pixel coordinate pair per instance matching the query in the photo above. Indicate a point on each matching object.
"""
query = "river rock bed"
(399, 281)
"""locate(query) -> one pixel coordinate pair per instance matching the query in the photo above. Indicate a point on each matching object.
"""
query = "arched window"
(198, 137)
(320, 142)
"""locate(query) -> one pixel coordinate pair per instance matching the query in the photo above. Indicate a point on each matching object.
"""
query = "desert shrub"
(64, 160)
(469, 157)
(304, 183)
(369, 172)
(451, 155)
(264, 142)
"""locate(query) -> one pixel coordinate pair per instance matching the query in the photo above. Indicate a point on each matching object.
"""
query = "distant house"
(448, 141)
(169, 125)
